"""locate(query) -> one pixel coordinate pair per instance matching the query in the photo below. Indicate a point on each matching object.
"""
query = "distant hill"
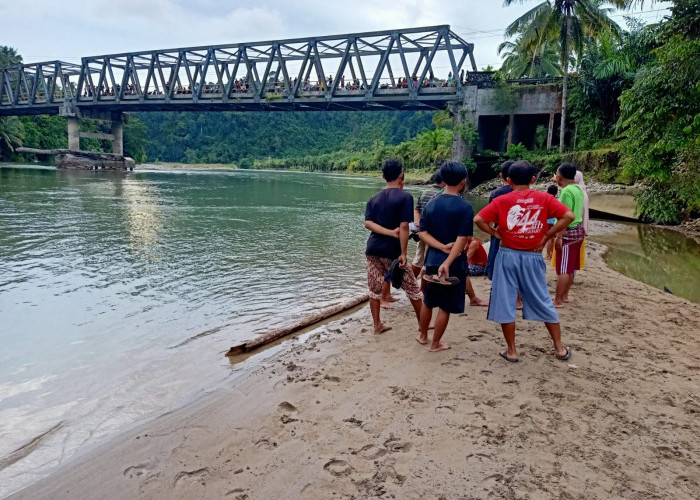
(229, 137)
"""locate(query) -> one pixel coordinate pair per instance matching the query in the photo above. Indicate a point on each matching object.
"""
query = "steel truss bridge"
(418, 68)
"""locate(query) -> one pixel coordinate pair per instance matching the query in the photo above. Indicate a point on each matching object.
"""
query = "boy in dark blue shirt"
(387, 215)
(446, 226)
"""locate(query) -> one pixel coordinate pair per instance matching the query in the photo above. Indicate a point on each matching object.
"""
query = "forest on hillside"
(240, 138)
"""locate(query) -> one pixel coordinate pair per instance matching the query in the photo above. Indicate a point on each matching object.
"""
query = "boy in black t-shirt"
(446, 225)
(387, 215)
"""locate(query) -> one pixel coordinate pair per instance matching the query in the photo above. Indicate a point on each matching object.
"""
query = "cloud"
(45, 30)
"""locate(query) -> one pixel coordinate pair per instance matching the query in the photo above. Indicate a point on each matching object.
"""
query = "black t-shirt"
(447, 217)
(388, 208)
(500, 192)
(495, 194)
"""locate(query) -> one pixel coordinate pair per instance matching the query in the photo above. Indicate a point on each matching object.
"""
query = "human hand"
(540, 247)
(497, 235)
(402, 261)
(444, 270)
(448, 248)
(396, 232)
(558, 244)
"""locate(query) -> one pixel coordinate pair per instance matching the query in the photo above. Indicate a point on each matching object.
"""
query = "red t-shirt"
(480, 257)
(522, 217)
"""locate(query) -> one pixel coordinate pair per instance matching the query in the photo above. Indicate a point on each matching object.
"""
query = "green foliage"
(660, 121)
(226, 137)
(11, 136)
(608, 67)
(9, 57)
(135, 139)
(45, 132)
(12, 131)
(517, 152)
(530, 57)
(467, 131)
(505, 96)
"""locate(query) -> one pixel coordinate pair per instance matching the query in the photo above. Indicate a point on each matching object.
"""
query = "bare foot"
(390, 299)
(385, 305)
(422, 340)
(558, 304)
(565, 300)
(479, 302)
(431, 326)
(519, 304)
(440, 347)
(382, 328)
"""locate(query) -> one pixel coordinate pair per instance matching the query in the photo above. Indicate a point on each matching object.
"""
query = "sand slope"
(351, 415)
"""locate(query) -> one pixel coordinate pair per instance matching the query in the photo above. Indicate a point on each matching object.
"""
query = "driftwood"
(86, 154)
(273, 335)
(84, 160)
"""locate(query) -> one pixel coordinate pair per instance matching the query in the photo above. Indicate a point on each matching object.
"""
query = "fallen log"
(86, 154)
(273, 335)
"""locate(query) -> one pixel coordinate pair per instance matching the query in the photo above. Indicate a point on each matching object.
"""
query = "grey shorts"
(421, 251)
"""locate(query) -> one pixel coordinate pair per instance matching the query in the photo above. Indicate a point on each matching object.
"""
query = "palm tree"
(11, 135)
(571, 21)
(9, 57)
(530, 60)
(11, 128)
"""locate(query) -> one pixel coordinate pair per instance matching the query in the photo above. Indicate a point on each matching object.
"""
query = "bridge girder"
(388, 70)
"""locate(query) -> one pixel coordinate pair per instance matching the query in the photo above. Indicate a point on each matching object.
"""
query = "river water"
(120, 294)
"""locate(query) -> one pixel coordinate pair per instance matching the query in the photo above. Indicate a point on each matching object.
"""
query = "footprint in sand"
(265, 444)
(286, 419)
(195, 476)
(443, 410)
(286, 406)
(338, 467)
(395, 446)
(353, 421)
(136, 471)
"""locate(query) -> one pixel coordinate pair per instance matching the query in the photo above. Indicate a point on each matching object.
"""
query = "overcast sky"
(43, 30)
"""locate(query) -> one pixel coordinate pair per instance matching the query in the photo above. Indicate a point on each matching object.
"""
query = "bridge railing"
(413, 64)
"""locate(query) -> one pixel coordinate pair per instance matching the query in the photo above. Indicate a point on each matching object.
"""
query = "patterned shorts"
(376, 269)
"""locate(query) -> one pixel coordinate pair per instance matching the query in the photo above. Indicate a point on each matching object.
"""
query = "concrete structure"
(507, 115)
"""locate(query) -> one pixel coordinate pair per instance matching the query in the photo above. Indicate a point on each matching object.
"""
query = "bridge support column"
(550, 131)
(118, 133)
(73, 133)
(464, 126)
(511, 126)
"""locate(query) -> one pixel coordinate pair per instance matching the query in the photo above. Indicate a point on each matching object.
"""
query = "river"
(120, 293)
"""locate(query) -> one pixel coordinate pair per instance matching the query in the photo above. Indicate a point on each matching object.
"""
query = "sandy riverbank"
(350, 415)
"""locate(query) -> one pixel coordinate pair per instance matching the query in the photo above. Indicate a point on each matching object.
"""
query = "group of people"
(521, 221)
(242, 86)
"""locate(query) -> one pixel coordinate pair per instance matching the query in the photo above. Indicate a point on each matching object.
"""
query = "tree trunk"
(565, 55)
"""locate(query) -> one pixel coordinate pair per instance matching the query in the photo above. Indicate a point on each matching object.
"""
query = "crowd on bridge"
(285, 86)
(522, 223)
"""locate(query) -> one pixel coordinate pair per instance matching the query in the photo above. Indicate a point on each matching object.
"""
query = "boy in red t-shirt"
(519, 268)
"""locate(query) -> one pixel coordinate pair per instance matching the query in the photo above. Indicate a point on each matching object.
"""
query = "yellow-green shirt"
(572, 197)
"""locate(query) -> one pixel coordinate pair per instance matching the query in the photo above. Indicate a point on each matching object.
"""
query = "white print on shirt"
(527, 220)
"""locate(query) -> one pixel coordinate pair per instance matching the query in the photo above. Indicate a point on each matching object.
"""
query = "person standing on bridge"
(387, 216)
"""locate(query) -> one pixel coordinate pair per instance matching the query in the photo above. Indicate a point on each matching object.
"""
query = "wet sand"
(347, 414)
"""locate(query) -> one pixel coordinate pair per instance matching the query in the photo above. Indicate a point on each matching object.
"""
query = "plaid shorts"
(577, 233)
(376, 270)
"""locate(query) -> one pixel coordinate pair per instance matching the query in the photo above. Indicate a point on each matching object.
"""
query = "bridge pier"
(116, 135)
(73, 133)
